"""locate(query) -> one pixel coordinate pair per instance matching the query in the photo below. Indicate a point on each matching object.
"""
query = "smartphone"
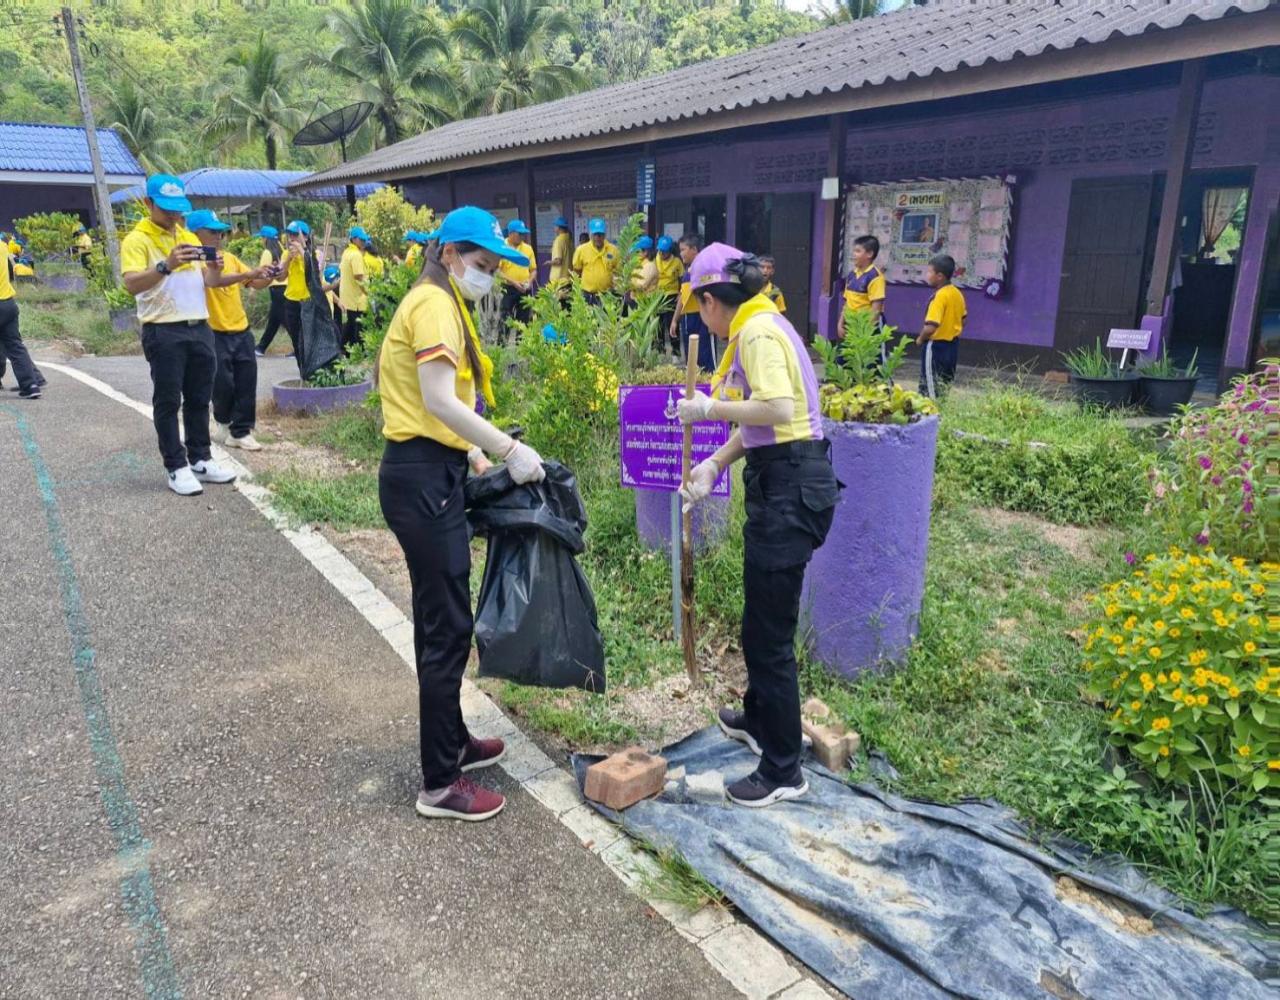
(206, 253)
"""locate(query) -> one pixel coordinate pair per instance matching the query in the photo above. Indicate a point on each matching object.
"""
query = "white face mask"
(474, 283)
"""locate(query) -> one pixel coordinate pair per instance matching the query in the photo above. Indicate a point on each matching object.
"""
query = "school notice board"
(967, 218)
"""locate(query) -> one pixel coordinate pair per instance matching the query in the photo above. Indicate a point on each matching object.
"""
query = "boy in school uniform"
(864, 287)
(943, 324)
(770, 290)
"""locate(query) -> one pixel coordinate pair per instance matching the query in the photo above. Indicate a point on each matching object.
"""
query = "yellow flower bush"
(1207, 698)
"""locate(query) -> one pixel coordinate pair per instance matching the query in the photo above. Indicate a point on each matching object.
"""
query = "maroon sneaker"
(481, 753)
(464, 799)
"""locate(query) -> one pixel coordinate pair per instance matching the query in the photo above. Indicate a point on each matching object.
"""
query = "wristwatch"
(162, 267)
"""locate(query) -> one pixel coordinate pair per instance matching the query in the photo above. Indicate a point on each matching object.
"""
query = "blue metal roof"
(248, 185)
(62, 149)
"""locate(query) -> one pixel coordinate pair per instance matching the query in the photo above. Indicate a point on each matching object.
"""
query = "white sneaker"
(210, 471)
(247, 443)
(220, 432)
(183, 482)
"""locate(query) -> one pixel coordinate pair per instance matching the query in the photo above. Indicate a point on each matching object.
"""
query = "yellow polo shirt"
(644, 276)
(670, 271)
(180, 294)
(874, 293)
(561, 250)
(514, 272)
(266, 261)
(83, 243)
(426, 327)
(6, 283)
(226, 308)
(351, 293)
(774, 295)
(596, 266)
(295, 279)
(947, 309)
(374, 265)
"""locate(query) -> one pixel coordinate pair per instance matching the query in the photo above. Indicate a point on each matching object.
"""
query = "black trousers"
(513, 307)
(691, 324)
(420, 487)
(664, 328)
(351, 327)
(275, 317)
(791, 494)
(235, 385)
(183, 363)
(943, 354)
(12, 347)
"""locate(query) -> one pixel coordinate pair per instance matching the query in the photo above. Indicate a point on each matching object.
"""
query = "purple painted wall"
(20, 200)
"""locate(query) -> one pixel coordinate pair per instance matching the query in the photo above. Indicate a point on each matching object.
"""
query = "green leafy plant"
(386, 216)
(342, 372)
(48, 234)
(1091, 362)
(858, 371)
(1218, 486)
(119, 297)
(247, 248)
(1182, 654)
(1163, 367)
(385, 292)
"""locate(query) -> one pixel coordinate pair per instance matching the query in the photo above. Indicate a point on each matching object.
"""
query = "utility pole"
(103, 197)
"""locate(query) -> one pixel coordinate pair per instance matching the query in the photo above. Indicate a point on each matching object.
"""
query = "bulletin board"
(616, 213)
(968, 218)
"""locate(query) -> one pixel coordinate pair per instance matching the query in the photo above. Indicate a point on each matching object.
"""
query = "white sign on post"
(1129, 340)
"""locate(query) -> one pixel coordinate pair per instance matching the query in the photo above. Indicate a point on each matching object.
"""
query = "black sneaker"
(30, 393)
(734, 725)
(756, 792)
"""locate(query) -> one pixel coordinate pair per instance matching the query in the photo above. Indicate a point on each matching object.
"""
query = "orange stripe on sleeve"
(439, 350)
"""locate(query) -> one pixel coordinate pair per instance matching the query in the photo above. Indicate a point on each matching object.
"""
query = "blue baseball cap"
(168, 193)
(299, 227)
(553, 336)
(206, 218)
(562, 222)
(469, 224)
(516, 226)
(596, 226)
(666, 244)
(643, 243)
(409, 236)
(331, 271)
(358, 233)
(268, 232)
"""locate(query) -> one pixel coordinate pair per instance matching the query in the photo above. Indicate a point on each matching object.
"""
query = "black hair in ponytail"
(749, 284)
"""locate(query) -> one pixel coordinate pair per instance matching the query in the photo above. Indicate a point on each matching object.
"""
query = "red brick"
(1056, 376)
(625, 778)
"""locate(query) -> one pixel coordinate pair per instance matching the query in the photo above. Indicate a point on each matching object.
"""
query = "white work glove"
(691, 411)
(702, 477)
(524, 464)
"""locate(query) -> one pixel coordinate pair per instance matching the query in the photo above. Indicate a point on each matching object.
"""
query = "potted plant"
(1097, 379)
(1164, 386)
(333, 388)
(122, 308)
(865, 585)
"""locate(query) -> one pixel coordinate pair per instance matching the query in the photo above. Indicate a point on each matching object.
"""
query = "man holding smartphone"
(163, 268)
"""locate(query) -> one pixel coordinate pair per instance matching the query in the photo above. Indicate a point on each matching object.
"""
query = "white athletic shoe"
(219, 433)
(247, 443)
(210, 471)
(183, 482)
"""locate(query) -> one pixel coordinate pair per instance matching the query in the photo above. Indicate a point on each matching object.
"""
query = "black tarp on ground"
(536, 616)
(888, 897)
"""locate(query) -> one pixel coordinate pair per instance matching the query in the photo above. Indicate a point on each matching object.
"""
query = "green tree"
(845, 11)
(504, 44)
(128, 112)
(252, 106)
(393, 51)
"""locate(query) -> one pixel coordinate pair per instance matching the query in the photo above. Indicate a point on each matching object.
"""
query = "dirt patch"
(1076, 542)
(1119, 913)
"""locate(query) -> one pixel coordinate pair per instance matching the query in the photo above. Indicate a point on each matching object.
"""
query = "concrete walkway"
(211, 759)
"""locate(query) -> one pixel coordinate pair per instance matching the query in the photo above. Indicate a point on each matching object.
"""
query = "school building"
(1090, 164)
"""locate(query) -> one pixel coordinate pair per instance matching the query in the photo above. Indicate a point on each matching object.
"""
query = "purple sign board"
(652, 438)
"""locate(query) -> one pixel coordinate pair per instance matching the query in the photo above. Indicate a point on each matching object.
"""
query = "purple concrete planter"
(124, 320)
(864, 586)
(65, 282)
(653, 519)
(292, 396)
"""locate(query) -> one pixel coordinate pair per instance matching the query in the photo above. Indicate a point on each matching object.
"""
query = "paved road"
(210, 759)
(132, 377)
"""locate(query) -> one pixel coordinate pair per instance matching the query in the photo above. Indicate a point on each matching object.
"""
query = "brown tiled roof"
(915, 42)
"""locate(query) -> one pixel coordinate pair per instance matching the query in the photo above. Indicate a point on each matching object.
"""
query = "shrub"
(386, 217)
(48, 234)
(1183, 654)
(1208, 494)
(858, 371)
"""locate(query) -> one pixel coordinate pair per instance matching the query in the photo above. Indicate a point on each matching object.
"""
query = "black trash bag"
(321, 339)
(536, 617)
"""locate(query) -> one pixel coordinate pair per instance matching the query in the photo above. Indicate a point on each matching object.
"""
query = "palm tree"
(134, 121)
(251, 106)
(393, 51)
(845, 11)
(504, 44)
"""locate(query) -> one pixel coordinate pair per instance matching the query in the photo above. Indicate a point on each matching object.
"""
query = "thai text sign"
(1129, 340)
(652, 438)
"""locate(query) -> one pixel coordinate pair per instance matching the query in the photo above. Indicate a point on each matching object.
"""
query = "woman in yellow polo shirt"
(766, 385)
(429, 369)
(294, 265)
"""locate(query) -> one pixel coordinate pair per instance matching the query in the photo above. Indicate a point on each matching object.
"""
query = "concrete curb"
(745, 958)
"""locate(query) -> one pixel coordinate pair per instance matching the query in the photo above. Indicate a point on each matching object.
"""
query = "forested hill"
(229, 81)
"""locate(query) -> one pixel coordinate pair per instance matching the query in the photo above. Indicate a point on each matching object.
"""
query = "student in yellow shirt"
(12, 348)
(670, 271)
(864, 288)
(413, 254)
(235, 384)
(771, 291)
(644, 274)
(765, 384)
(517, 279)
(687, 317)
(269, 261)
(83, 246)
(561, 258)
(353, 284)
(943, 324)
(295, 282)
(595, 262)
(429, 370)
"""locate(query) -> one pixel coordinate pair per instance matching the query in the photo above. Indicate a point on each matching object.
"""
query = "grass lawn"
(78, 322)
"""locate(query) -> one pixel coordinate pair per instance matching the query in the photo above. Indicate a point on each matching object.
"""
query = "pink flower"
(1247, 506)
(1206, 462)
(1216, 480)
(1246, 466)
(1202, 538)
(1160, 491)
(1130, 558)
(1246, 486)
(1243, 439)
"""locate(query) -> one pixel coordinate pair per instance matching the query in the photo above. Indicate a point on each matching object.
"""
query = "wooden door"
(1102, 264)
(791, 240)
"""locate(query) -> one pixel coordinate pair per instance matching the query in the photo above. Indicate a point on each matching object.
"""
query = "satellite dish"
(335, 126)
